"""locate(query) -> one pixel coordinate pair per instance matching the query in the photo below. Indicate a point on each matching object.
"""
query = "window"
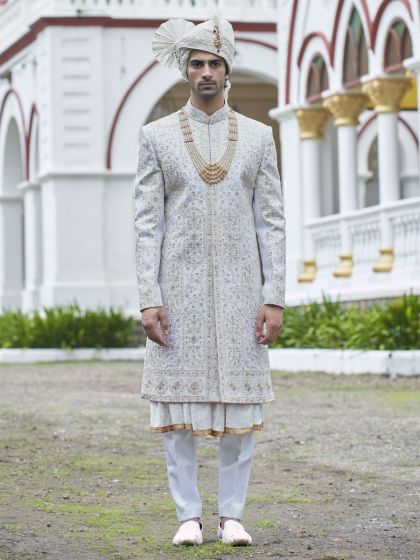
(355, 52)
(398, 46)
(317, 79)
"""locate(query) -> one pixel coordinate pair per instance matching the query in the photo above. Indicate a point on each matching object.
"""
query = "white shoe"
(233, 533)
(189, 533)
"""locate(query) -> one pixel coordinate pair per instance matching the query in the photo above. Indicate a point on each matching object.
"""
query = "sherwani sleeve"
(148, 222)
(270, 224)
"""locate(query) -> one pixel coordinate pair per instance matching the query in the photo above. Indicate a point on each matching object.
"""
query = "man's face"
(206, 74)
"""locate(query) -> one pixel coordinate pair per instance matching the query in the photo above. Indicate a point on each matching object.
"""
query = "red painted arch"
(335, 27)
(407, 125)
(410, 129)
(379, 14)
(290, 50)
(119, 111)
(337, 21)
(13, 92)
(306, 42)
(134, 84)
(368, 20)
(34, 112)
(9, 92)
(366, 124)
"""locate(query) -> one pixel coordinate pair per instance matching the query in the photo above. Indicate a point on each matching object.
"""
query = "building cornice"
(109, 22)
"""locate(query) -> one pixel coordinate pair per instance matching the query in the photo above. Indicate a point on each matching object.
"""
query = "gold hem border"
(207, 431)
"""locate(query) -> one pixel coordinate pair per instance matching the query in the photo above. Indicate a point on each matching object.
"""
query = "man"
(208, 214)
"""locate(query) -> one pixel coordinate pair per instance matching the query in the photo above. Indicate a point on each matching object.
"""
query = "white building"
(349, 121)
(78, 79)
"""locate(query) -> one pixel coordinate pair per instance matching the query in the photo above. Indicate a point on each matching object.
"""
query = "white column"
(73, 237)
(386, 94)
(72, 146)
(346, 108)
(290, 177)
(311, 123)
(33, 244)
(347, 171)
(347, 177)
(311, 195)
(389, 173)
(388, 161)
(414, 67)
(11, 252)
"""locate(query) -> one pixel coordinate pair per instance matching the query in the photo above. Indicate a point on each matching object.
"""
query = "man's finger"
(259, 325)
(266, 339)
(271, 334)
(154, 334)
(164, 323)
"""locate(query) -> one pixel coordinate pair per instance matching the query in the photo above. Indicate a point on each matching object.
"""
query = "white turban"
(174, 40)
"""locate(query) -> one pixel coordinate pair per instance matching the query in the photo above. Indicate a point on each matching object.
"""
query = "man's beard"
(207, 92)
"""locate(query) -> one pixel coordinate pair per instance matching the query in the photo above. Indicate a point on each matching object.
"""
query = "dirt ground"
(336, 473)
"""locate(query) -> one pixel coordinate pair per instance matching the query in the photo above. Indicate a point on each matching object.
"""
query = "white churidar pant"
(235, 458)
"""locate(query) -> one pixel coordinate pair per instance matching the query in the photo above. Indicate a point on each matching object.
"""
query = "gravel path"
(336, 473)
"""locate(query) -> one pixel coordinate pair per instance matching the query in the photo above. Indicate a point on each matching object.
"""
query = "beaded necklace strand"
(211, 173)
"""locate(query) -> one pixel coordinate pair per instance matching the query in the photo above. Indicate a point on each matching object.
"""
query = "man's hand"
(151, 317)
(272, 316)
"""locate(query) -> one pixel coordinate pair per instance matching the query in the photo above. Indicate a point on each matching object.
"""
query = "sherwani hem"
(190, 399)
(207, 431)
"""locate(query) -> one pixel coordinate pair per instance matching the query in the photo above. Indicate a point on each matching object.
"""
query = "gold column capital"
(346, 107)
(311, 121)
(386, 93)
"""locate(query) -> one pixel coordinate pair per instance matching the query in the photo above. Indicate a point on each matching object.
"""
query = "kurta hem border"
(207, 431)
(184, 399)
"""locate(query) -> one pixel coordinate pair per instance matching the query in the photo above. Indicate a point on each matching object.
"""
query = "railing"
(327, 248)
(406, 231)
(365, 234)
(16, 16)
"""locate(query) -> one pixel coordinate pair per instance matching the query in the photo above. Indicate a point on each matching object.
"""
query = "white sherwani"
(211, 255)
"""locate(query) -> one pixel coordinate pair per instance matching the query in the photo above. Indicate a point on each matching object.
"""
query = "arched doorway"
(12, 257)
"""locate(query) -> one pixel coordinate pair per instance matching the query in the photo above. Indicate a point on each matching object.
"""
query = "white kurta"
(214, 419)
(198, 250)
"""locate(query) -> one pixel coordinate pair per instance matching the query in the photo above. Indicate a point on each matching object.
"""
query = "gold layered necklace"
(211, 173)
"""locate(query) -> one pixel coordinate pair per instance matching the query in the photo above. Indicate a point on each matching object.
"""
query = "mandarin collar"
(203, 117)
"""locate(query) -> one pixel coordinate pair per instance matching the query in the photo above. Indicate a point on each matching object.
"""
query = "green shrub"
(66, 326)
(15, 330)
(394, 325)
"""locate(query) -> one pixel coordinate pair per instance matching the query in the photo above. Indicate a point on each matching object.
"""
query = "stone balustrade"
(363, 226)
(406, 231)
(326, 241)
